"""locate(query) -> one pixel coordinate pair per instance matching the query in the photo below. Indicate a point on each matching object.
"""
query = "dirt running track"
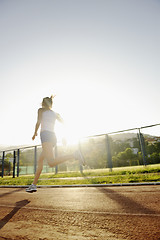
(102, 213)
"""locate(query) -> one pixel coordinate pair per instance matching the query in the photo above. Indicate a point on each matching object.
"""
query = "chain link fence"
(131, 147)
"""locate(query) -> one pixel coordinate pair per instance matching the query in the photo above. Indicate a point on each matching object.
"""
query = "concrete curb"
(84, 185)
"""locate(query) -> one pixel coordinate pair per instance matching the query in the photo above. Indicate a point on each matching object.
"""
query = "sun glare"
(74, 108)
(70, 134)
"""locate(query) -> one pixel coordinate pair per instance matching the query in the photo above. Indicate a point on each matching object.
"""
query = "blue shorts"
(47, 136)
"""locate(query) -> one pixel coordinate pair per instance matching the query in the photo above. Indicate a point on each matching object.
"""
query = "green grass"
(99, 176)
(106, 172)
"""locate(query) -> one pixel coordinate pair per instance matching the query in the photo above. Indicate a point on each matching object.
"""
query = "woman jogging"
(46, 119)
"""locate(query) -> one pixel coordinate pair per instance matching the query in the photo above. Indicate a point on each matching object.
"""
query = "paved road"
(130, 212)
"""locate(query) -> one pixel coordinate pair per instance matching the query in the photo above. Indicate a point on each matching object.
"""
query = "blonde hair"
(47, 102)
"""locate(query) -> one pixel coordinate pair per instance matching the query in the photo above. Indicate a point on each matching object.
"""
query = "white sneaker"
(78, 155)
(32, 188)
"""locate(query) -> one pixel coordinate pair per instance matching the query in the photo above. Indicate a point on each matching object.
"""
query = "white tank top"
(48, 120)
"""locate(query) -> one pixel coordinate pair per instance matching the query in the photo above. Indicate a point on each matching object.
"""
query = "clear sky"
(100, 57)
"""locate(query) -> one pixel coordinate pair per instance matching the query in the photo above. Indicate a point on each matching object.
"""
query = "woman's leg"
(39, 168)
(49, 155)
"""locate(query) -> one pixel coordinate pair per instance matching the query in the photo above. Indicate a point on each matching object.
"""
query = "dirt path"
(81, 213)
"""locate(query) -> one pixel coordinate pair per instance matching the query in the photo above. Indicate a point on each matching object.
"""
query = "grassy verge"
(100, 176)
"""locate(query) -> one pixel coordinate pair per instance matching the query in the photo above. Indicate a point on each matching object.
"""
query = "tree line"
(124, 153)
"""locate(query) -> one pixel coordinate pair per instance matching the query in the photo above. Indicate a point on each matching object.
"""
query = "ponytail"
(52, 96)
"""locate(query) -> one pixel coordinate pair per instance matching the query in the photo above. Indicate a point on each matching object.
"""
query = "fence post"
(56, 155)
(14, 163)
(35, 159)
(142, 144)
(18, 154)
(80, 165)
(109, 156)
(3, 163)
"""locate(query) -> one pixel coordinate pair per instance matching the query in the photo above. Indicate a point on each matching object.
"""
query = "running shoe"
(32, 188)
(79, 156)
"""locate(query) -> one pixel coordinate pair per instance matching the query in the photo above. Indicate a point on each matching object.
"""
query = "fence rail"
(16, 151)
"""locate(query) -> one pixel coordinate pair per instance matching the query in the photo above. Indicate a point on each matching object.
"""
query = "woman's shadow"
(19, 205)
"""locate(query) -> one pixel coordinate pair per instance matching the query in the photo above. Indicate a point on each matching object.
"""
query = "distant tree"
(157, 147)
(154, 158)
(118, 146)
(150, 148)
(153, 152)
(124, 158)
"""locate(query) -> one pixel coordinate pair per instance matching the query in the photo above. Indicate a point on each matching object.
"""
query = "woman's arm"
(59, 118)
(37, 123)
